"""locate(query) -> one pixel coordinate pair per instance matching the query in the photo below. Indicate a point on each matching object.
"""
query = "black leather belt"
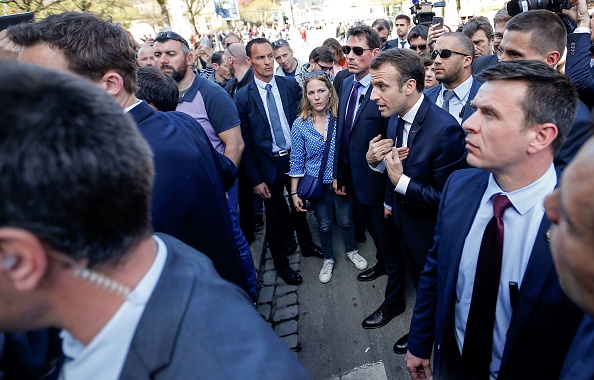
(281, 153)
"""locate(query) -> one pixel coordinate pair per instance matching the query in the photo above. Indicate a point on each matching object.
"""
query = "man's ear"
(190, 58)
(23, 258)
(544, 135)
(552, 58)
(112, 83)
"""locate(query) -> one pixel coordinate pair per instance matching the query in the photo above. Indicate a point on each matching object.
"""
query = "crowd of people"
(132, 182)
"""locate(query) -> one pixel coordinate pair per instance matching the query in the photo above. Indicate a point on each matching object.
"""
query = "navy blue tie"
(277, 128)
(348, 122)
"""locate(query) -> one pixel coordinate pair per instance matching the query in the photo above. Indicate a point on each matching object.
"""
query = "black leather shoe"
(312, 250)
(289, 275)
(371, 273)
(383, 315)
(401, 346)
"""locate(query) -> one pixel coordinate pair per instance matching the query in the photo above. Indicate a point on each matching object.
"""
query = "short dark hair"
(408, 63)
(465, 44)
(75, 170)
(322, 53)
(427, 61)
(546, 30)
(217, 57)
(418, 31)
(367, 33)
(403, 17)
(163, 37)
(550, 95)
(259, 40)
(157, 88)
(478, 23)
(381, 24)
(92, 46)
(335, 46)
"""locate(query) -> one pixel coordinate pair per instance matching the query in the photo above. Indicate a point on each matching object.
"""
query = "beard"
(177, 73)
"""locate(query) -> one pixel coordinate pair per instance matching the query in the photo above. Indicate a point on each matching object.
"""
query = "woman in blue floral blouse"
(319, 109)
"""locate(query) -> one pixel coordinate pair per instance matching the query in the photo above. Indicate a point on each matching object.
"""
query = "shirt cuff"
(380, 168)
(402, 184)
(388, 207)
(582, 29)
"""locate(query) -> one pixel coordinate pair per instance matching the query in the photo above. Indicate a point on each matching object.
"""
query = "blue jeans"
(242, 244)
(325, 209)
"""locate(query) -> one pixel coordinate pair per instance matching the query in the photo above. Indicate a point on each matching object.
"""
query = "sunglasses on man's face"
(445, 53)
(173, 36)
(383, 39)
(356, 49)
(323, 68)
(418, 47)
(279, 43)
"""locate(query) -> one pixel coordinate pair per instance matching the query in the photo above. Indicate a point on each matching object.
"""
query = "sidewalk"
(322, 322)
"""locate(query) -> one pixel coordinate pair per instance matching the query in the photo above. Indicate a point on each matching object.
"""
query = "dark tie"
(277, 128)
(447, 95)
(478, 338)
(402, 43)
(348, 122)
(399, 132)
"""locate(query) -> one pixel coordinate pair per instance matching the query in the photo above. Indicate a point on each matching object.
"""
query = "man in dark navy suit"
(433, 143)
(188, 200)
(541, 35)
(382, 27)
(571, 210)
(267, 107)
(453, 56)
(359, 121)
(489, 303)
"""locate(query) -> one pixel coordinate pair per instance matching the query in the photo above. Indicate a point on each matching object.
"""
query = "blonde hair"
(307, 109)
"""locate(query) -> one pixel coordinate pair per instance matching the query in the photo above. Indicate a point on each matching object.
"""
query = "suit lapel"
(255, 94)
(415, 127)
(284, 98)
(362, 106)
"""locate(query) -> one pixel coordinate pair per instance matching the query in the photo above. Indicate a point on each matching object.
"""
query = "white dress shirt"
(457, 102)
(104, 357)
(281, 111)
(521, 224)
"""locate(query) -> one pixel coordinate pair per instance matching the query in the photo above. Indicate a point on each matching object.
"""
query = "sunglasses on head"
(445, 53)
(173, 36)
(279, 43)
(419, 47)
(356, 49)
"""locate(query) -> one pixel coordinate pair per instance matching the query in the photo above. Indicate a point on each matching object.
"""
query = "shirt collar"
(409, 117)
(365, 81)
(262, 84)
(127, 109)
(462, 90)
(192, 90)
(527, 197)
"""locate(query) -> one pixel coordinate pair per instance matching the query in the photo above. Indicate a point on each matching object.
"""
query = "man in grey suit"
(77, 250)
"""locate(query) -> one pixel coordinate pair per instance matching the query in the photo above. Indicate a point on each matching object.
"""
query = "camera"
(423, 11)
(515, 7)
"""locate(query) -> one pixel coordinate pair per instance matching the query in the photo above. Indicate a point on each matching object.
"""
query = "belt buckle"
(282, 153)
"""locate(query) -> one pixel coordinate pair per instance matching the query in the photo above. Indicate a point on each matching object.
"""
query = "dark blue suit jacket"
(197, 326)
(368, 123)
(433, 93)
(579, 363)
(580, 132)
(437, 148)
(481, 63)
(188, 199)
(543, 323)
(255, 128)
(577, 65)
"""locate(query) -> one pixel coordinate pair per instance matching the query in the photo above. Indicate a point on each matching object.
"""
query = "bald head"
(237, 51)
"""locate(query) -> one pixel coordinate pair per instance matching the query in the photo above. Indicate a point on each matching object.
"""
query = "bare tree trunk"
(164, 12)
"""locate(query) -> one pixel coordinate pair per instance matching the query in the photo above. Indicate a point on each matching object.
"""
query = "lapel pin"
(548, 236)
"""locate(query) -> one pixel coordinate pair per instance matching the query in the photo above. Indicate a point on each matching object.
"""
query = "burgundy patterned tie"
(478, 338)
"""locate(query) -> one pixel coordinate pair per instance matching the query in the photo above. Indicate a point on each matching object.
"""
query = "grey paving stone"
(269, 278)
(265, 295)
(286, 313)
(286, 300)
(295, 258)
(269, 265)
(294, 266)
(286, 328)
(268, 254)
(292, 341)
(284, 289)
(264, 310)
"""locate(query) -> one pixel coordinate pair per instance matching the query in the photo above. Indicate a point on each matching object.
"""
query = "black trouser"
(245, 201)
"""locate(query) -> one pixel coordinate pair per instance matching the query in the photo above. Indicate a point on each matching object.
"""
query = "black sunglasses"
(420, 47)
(383, 39)
(279, 43)
(173, 36)
(356, 49)
(445, 53)
(324, 68)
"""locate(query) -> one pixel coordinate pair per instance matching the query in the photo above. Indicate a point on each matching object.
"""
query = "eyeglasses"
(497, 36)
(445, 53)
(356, 49)
(173, 36)
(418, 47)
(383, 39)
(278, 43)
(323, 68)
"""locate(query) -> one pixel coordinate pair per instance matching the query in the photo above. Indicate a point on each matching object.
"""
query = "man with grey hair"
(453, 56)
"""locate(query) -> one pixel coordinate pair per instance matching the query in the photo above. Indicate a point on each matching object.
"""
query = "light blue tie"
(277, 128)
(447, 95)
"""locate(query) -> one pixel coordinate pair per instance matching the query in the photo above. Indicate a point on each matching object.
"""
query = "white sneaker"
(326, 272)
(358, 260)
